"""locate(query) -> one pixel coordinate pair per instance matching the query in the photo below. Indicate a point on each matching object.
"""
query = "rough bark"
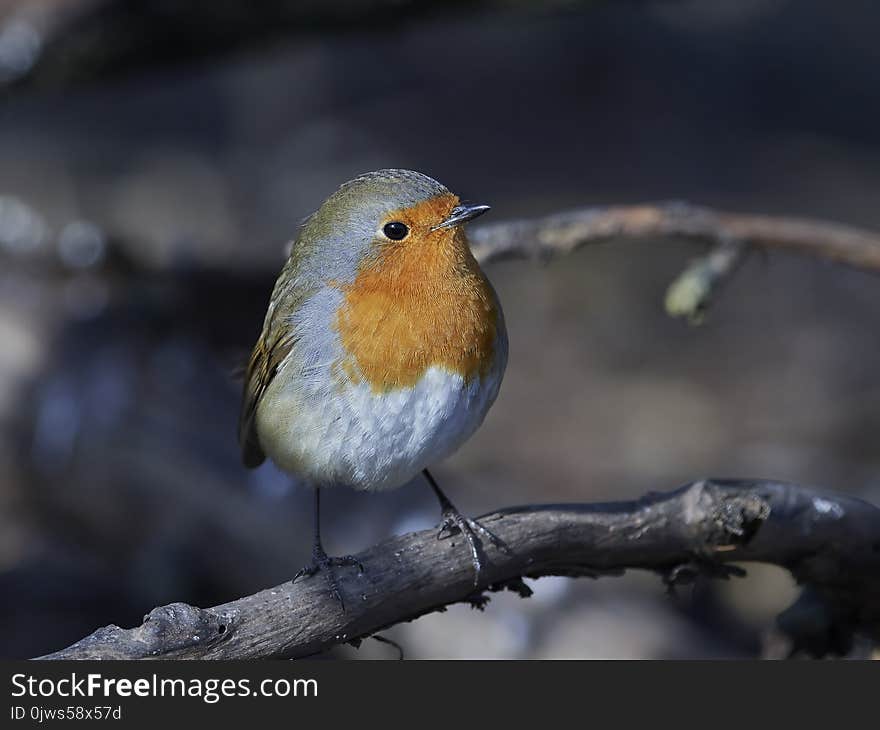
(829, 542)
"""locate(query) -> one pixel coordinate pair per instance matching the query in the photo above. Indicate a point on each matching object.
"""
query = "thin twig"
(562, 233)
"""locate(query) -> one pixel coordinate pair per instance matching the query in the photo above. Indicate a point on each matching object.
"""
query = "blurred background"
(157, 156)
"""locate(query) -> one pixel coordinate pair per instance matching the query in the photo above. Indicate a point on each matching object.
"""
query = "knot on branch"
(719, 522)
(721, 518)
(179, 626)
(737, 519)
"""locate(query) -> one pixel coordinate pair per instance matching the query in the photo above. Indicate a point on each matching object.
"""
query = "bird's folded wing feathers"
(265, 361)
(270, 353)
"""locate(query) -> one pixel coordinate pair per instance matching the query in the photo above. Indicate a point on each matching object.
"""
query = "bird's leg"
(453, 521)
(323, 562)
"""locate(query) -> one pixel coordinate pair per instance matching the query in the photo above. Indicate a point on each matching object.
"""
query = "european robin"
(382, 349)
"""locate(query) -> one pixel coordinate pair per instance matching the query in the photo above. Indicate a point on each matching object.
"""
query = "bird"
(383, 347)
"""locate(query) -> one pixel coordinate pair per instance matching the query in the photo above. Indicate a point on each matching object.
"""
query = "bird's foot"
(454, 522)
(326, 564)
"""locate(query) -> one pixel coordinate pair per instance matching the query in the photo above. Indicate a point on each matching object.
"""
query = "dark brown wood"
(829, 542)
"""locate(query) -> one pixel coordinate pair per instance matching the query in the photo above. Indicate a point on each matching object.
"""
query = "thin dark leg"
(453, 521)
(317, 547)
(321, 561)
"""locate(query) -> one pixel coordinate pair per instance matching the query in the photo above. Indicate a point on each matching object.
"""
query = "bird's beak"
(462, 214)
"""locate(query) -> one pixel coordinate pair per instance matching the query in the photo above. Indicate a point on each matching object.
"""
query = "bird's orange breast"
(420, 303)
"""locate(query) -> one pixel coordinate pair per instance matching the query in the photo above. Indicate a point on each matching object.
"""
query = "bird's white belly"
(355, 436)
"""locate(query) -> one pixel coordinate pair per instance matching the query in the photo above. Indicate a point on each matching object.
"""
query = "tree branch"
(562, 233)
(829, 542)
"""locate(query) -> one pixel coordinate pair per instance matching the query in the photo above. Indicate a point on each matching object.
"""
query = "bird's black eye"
(395, 230)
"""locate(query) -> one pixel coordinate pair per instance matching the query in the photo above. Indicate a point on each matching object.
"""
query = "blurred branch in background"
(731, 233)
(829, 542)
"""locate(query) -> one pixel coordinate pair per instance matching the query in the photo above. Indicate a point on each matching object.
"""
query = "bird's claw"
(453, 523)
(323, 562)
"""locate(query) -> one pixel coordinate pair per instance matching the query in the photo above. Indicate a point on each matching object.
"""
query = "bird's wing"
(270, 353)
